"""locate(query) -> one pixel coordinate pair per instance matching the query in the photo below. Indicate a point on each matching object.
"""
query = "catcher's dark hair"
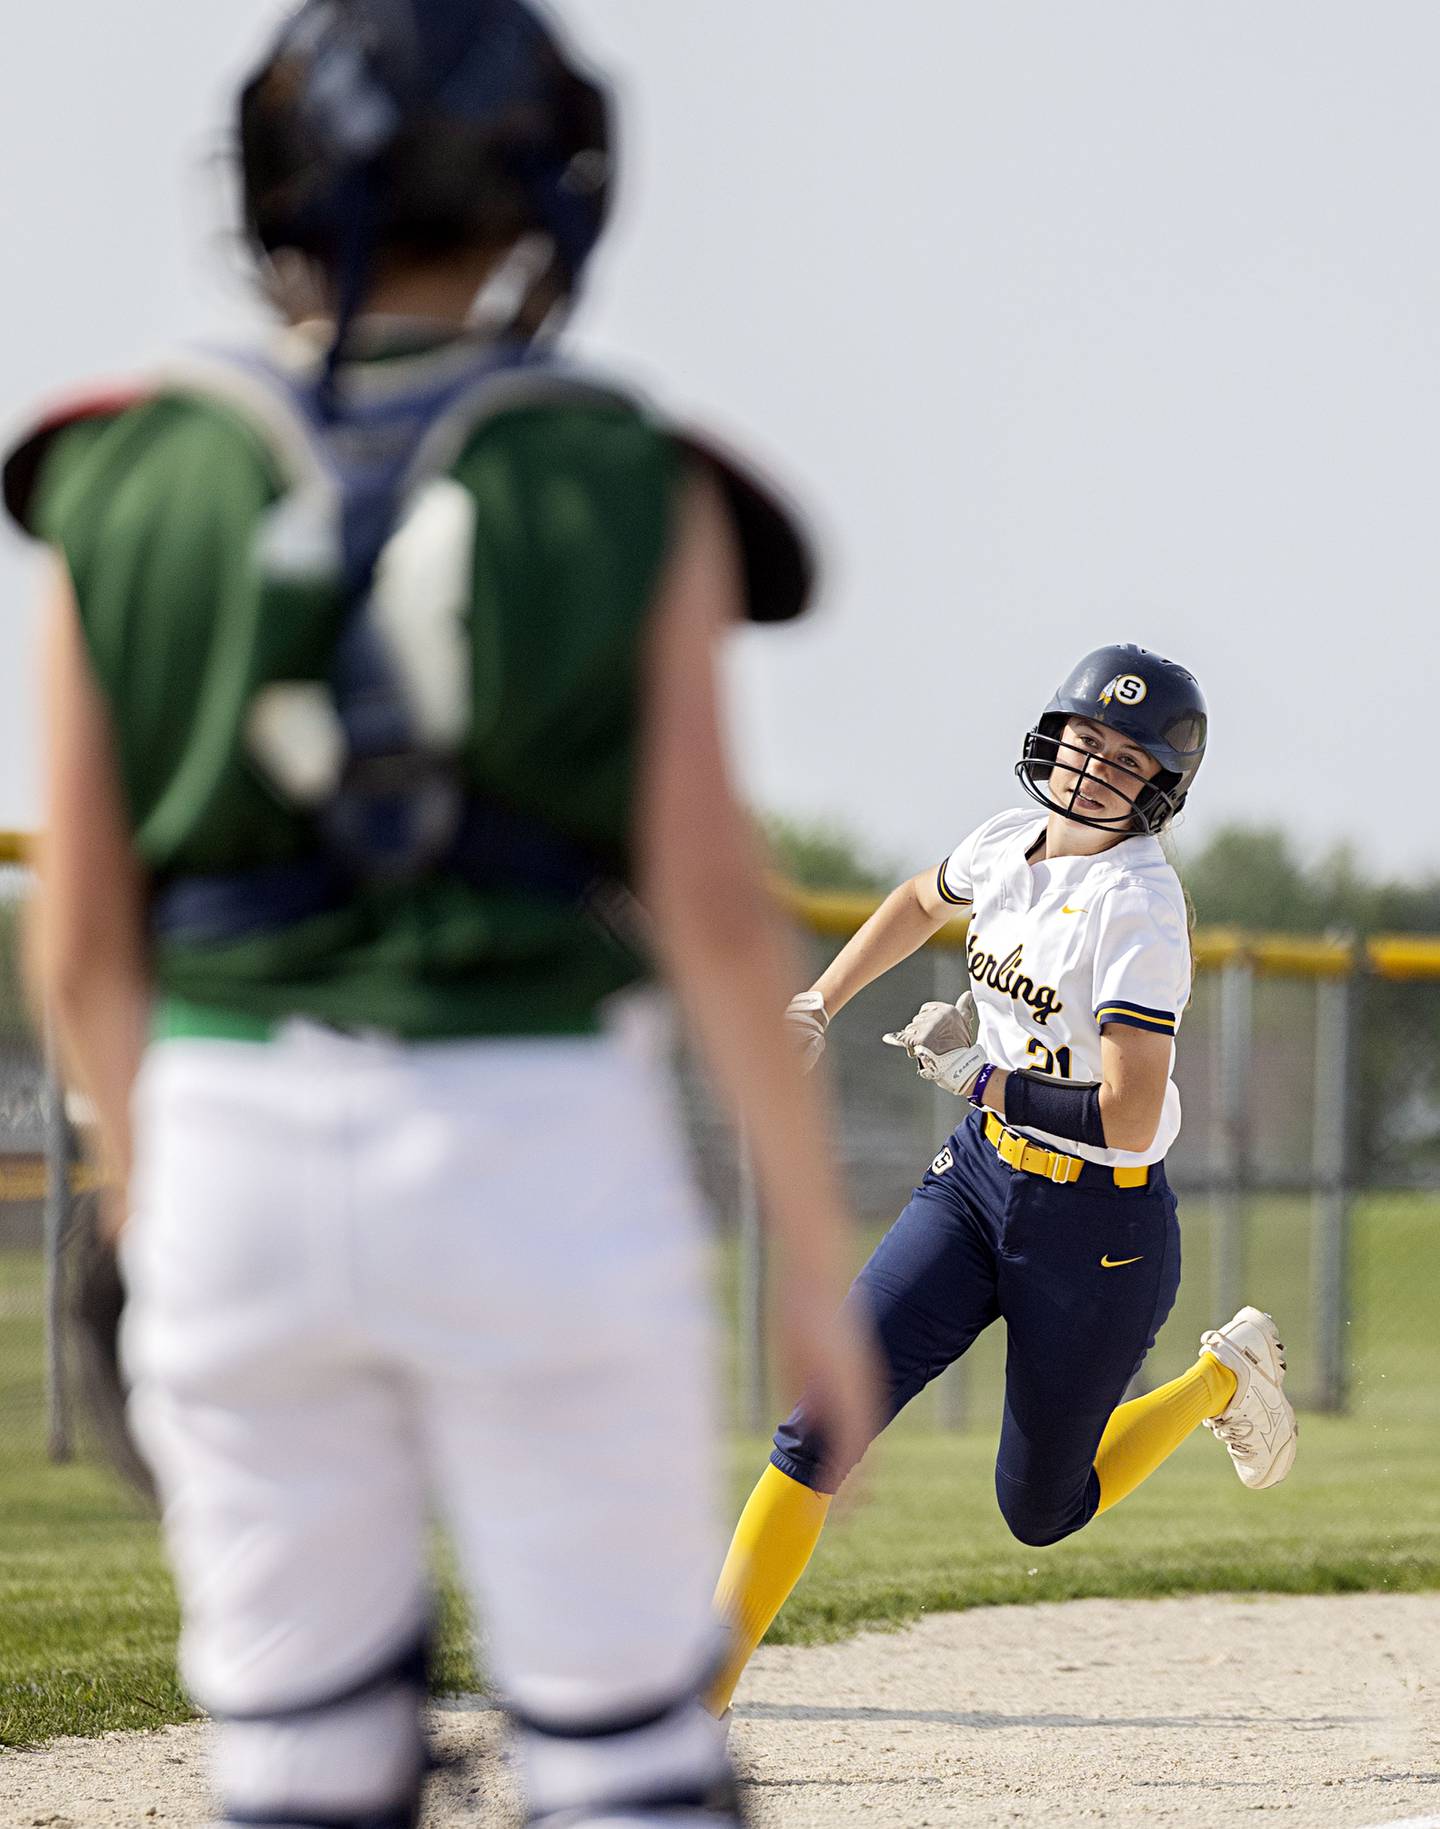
(444, 186)
(424, 209)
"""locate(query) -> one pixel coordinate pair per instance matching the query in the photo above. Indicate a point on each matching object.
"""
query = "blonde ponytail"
(1166, 836)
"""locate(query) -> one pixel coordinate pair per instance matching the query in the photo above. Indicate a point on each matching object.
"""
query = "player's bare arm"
(900, 926)
(87, 952)
(701, 878)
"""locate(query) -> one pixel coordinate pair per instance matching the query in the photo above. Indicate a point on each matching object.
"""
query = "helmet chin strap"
(356, 259)
(494, 312)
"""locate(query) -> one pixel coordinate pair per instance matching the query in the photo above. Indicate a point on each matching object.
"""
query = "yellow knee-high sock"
(1142, 1433)
(773, 1541)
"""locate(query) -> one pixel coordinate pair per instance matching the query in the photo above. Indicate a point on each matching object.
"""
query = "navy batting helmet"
(422, 126)
(1142, 696)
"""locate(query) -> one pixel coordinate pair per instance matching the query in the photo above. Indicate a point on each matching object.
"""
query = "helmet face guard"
(1154, 704)
(1152, 804)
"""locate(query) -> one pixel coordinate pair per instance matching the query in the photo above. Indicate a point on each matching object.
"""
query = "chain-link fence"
(1309, 1074)
(24, 1107)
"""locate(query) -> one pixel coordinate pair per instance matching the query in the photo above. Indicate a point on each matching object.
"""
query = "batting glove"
(807, 1020)
(941, 1038)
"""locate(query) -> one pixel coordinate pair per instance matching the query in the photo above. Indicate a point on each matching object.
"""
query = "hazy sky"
(1069, 324)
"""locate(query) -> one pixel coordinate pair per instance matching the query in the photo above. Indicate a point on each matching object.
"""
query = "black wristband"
(1038, 1101)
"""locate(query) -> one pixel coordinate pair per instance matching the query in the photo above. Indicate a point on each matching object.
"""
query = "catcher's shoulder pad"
(25, 459)
(778, 558)
(776, 553)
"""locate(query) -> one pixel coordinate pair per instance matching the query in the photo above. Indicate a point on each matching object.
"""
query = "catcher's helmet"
(1150, 700)
(422, 126)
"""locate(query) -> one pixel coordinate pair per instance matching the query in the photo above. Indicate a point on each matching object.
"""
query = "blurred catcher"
(380, 691)
(1049, 1205)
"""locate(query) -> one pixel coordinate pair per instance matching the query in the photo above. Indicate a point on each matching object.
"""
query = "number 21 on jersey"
(1050, 1060)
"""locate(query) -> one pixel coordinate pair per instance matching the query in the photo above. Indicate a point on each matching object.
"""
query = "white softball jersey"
(1059, 950)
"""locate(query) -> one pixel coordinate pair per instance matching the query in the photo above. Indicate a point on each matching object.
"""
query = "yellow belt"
(1019, 1152)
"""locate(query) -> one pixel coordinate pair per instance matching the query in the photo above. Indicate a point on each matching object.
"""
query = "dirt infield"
(1176, 1712)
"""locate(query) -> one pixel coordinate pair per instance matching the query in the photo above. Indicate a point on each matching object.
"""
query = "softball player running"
(1049, 1206)
(379, 671)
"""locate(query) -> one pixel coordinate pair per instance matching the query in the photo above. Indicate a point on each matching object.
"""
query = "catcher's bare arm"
(86, 951)
(720, 940)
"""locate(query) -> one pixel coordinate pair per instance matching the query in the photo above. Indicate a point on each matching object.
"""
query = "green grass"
(1361, 1511)
(87, 1613)
(87, 1609)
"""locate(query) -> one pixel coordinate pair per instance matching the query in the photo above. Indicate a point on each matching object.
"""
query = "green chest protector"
(372, 754)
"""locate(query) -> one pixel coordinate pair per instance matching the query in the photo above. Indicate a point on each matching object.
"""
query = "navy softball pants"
(1083, 1277)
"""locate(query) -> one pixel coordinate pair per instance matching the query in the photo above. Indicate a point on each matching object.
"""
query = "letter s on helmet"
(1152, 701)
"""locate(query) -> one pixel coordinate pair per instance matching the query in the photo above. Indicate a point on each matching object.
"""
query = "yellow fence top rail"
(1396, 956)
(1274, 955)
(1404, 955)
(837, 914)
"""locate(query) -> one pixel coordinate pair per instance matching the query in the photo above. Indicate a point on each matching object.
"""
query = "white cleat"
(1259, 1428)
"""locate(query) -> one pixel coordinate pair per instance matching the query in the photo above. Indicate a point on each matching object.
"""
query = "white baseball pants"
(367, 1279)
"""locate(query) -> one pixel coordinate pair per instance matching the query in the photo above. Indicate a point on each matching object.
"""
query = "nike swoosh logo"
(1270, 1428)
(1113, 1263)
(1068, 910)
